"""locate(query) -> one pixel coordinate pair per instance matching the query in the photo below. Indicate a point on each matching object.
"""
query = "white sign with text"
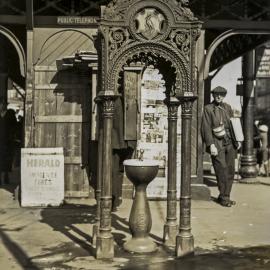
(42, 176)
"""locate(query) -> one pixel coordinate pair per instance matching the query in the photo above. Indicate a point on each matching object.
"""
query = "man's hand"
(239, 144)
(213, 150)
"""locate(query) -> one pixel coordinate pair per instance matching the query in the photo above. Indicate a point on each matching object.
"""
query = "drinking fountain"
(140, 172)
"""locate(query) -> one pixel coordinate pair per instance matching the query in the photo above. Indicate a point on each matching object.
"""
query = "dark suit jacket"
(213, 117)
(118, 141)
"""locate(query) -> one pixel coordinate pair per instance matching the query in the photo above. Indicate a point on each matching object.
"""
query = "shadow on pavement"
(17, 252)
(67, 220)
(210, 181)
(224, 258)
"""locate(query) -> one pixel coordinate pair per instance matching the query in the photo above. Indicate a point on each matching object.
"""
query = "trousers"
(224, 167)
(118, 157)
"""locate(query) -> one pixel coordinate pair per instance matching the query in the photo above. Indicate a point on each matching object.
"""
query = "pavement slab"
(61, 237)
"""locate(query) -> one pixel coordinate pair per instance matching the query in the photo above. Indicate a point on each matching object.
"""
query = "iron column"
(184, 239)
(171, 227)
(104, 248)
(248, 160)
(99, 172)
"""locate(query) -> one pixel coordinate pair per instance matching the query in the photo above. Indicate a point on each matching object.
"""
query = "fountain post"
(140, 173)
(171, 226)
(184, 239)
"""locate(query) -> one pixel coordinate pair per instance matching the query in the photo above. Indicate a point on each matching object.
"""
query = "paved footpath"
(60, 238)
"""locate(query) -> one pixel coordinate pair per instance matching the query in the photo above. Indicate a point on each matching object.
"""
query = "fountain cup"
(140, 173)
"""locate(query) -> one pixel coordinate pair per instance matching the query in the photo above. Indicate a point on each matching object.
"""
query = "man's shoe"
(233, 202)
(225, 203)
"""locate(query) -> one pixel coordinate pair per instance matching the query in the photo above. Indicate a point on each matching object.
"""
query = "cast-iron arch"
(18, 47)
(161, 50)
(221, 38)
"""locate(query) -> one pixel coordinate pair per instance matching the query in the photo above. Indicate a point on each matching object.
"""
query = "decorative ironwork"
(187, 101)
(181, 40)
(150, 51)
(135, 31)
(117, 38)
(149, 23)
(183, 11)
(108, 107)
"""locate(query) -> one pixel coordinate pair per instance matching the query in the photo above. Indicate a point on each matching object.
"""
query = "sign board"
(42, 176)
(76, 20)
(263, 61)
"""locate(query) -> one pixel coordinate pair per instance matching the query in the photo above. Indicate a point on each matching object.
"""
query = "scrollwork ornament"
(187, 101)
(108, 107)
(172, 112)
(180, 39)
(183, 12)
(172, 104)
(115, 10)
(117, 38)
(196, 34)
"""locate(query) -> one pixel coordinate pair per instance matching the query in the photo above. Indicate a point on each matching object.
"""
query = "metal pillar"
(171, 226)
(96, 226)
(184, 239)
(248, 160)
(3, 67)
(104, 245)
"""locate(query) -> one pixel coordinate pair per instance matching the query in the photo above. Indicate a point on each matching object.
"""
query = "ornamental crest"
(149, 23)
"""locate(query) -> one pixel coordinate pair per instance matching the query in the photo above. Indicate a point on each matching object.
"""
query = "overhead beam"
(29, 14)
(236, 24)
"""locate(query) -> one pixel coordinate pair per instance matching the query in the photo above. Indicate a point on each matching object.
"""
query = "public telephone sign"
(76, 20)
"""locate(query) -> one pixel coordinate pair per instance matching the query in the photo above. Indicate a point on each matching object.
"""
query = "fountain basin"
(141, 171)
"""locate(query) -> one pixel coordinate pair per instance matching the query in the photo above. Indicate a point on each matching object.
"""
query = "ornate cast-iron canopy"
(161, 33)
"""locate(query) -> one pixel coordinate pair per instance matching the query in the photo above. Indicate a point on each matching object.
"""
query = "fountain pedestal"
(140, 173)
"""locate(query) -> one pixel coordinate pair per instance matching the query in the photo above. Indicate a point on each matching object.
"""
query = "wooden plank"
(76, 194)
(45, 68)
(58, 119)
(45, 103)
(54, 86)
(76, 184)
(73, 160)
(69, 136)
(28, 123)
(45, 135)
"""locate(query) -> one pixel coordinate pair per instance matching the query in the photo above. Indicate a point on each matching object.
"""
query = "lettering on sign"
(42, 163)
(263, 62)
(42, 181)
(76, 20)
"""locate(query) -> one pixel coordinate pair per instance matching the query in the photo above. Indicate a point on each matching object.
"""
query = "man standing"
(121, 149)
(8, 124)
(218, 137)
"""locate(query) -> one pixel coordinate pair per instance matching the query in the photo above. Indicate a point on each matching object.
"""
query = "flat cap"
(220, 90)
(263, 128)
